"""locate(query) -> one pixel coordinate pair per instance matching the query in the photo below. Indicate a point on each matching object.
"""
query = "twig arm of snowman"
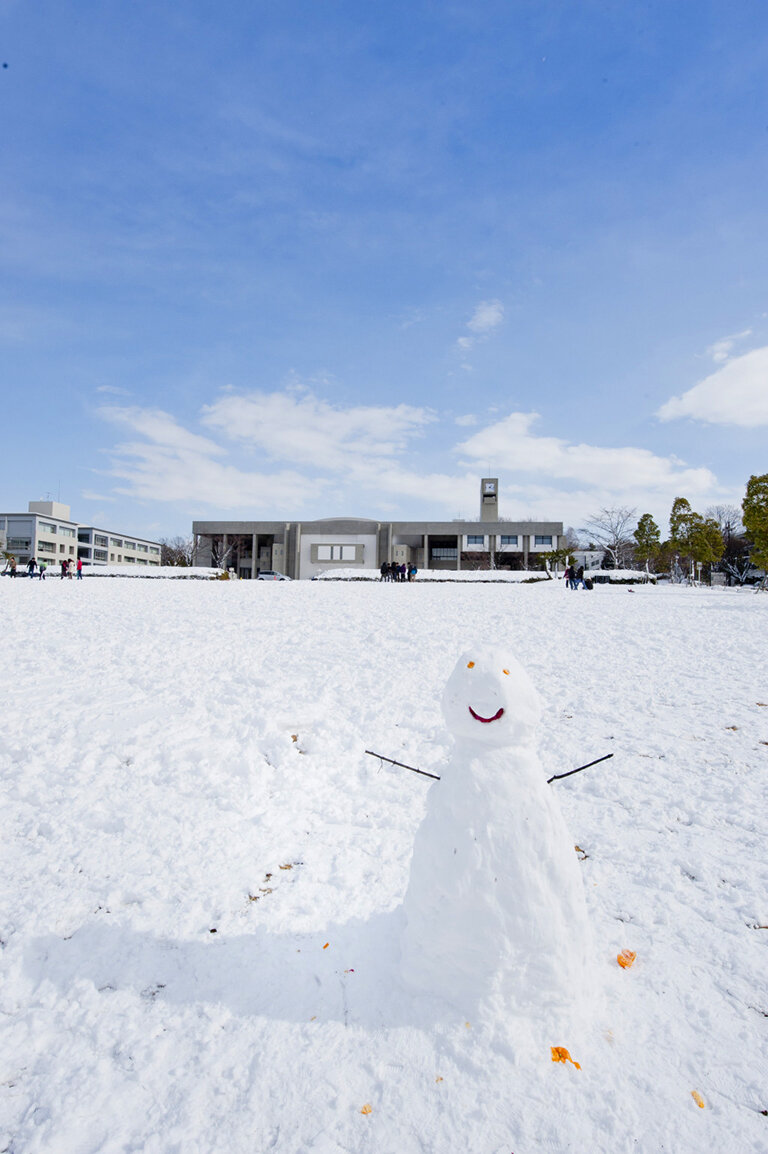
(436, 777)
(557, 776)
(402, 765)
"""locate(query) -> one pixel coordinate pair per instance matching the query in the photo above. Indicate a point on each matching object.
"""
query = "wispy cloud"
(113, 390)
(377, 460)
(295, 425)
(736, 394)
(172, 464)
(487, 316)
(721, 350)
(513, 447)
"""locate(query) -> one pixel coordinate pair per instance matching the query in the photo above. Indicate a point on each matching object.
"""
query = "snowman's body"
(495, 909)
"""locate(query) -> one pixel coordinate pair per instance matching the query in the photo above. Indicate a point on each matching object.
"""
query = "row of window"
(116, 542)
(50, 547)
(62, 530)
(539, 539)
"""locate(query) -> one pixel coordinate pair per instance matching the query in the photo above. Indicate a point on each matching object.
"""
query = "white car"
(272, 575)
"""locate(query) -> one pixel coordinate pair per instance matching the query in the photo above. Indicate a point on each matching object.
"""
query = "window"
(542, 539)
(66, 531)
(130, 559)
(129, 545)
(336, 552)
(99, 554)
(20, 543)
(154, 550)
(100, 539)
(84, 535)
(62, 548)
(111, 556)
(443, 554)
(117, 541)
(474, 539)
(44, 527)
(142, 548)
(509, 540)
(46, 546)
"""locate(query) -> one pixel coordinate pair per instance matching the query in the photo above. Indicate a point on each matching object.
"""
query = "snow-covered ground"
(203, 871)
(173, 572)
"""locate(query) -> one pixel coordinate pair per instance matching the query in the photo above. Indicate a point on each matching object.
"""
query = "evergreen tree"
(705, 541)
(648, 538)
(755, 512)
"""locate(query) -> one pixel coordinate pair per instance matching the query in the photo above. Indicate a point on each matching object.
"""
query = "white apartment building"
(48, 533)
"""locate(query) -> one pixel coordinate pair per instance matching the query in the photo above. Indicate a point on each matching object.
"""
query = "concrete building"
(48, 533)
(305, 549)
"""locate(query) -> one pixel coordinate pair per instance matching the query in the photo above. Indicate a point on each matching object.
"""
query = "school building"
(306, 549)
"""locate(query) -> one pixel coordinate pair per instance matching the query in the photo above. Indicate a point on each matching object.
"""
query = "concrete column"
(526, 542)
(254, 555)
(426, 550)
(458, 551)
(224, 547)
(298, 551)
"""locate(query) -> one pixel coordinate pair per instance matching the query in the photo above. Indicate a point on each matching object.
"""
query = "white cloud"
(172, 464)
(736, 394)
(113, 390)
(297, 426)
(721, 350)
(375, 461)
(486, 316)
(511, 446)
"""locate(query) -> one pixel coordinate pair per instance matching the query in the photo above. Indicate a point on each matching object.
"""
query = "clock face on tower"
(490, 487)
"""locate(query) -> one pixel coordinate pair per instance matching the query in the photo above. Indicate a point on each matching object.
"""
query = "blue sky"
(333, 258)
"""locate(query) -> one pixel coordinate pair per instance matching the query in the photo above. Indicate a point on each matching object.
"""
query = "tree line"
(725, 538)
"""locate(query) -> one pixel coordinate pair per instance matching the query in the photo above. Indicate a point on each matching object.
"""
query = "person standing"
(12, 565)
(63, 568)
(31, 566)
(41, 571)
(79, 568)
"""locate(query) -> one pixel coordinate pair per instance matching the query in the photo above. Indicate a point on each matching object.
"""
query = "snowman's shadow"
(347, 973)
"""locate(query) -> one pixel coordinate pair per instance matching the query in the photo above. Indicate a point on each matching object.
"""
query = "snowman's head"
(490, 699)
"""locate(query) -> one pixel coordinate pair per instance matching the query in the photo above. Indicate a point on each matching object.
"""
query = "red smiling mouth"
(486, 720)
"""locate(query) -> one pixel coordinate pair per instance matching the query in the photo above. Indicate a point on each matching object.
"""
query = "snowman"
(495, 913)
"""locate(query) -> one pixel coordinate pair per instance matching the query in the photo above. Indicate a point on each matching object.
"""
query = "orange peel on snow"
(560, 1054)
(697, 1099)
(367, 1109)
(626, 958)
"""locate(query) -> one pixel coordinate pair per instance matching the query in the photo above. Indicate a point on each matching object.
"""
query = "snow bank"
(174, 572)
(470, 575)
(203, 872)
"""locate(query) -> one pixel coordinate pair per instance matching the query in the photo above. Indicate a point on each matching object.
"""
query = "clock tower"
(489, 499)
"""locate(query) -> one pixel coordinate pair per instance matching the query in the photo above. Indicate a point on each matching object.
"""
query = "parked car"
(272, 575)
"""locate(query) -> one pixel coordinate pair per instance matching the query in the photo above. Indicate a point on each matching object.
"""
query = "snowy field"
(203, 871)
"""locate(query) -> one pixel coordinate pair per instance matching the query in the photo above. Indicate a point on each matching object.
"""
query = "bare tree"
(735, 561)
(224, 557)
(176, 551)
(611, 530)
